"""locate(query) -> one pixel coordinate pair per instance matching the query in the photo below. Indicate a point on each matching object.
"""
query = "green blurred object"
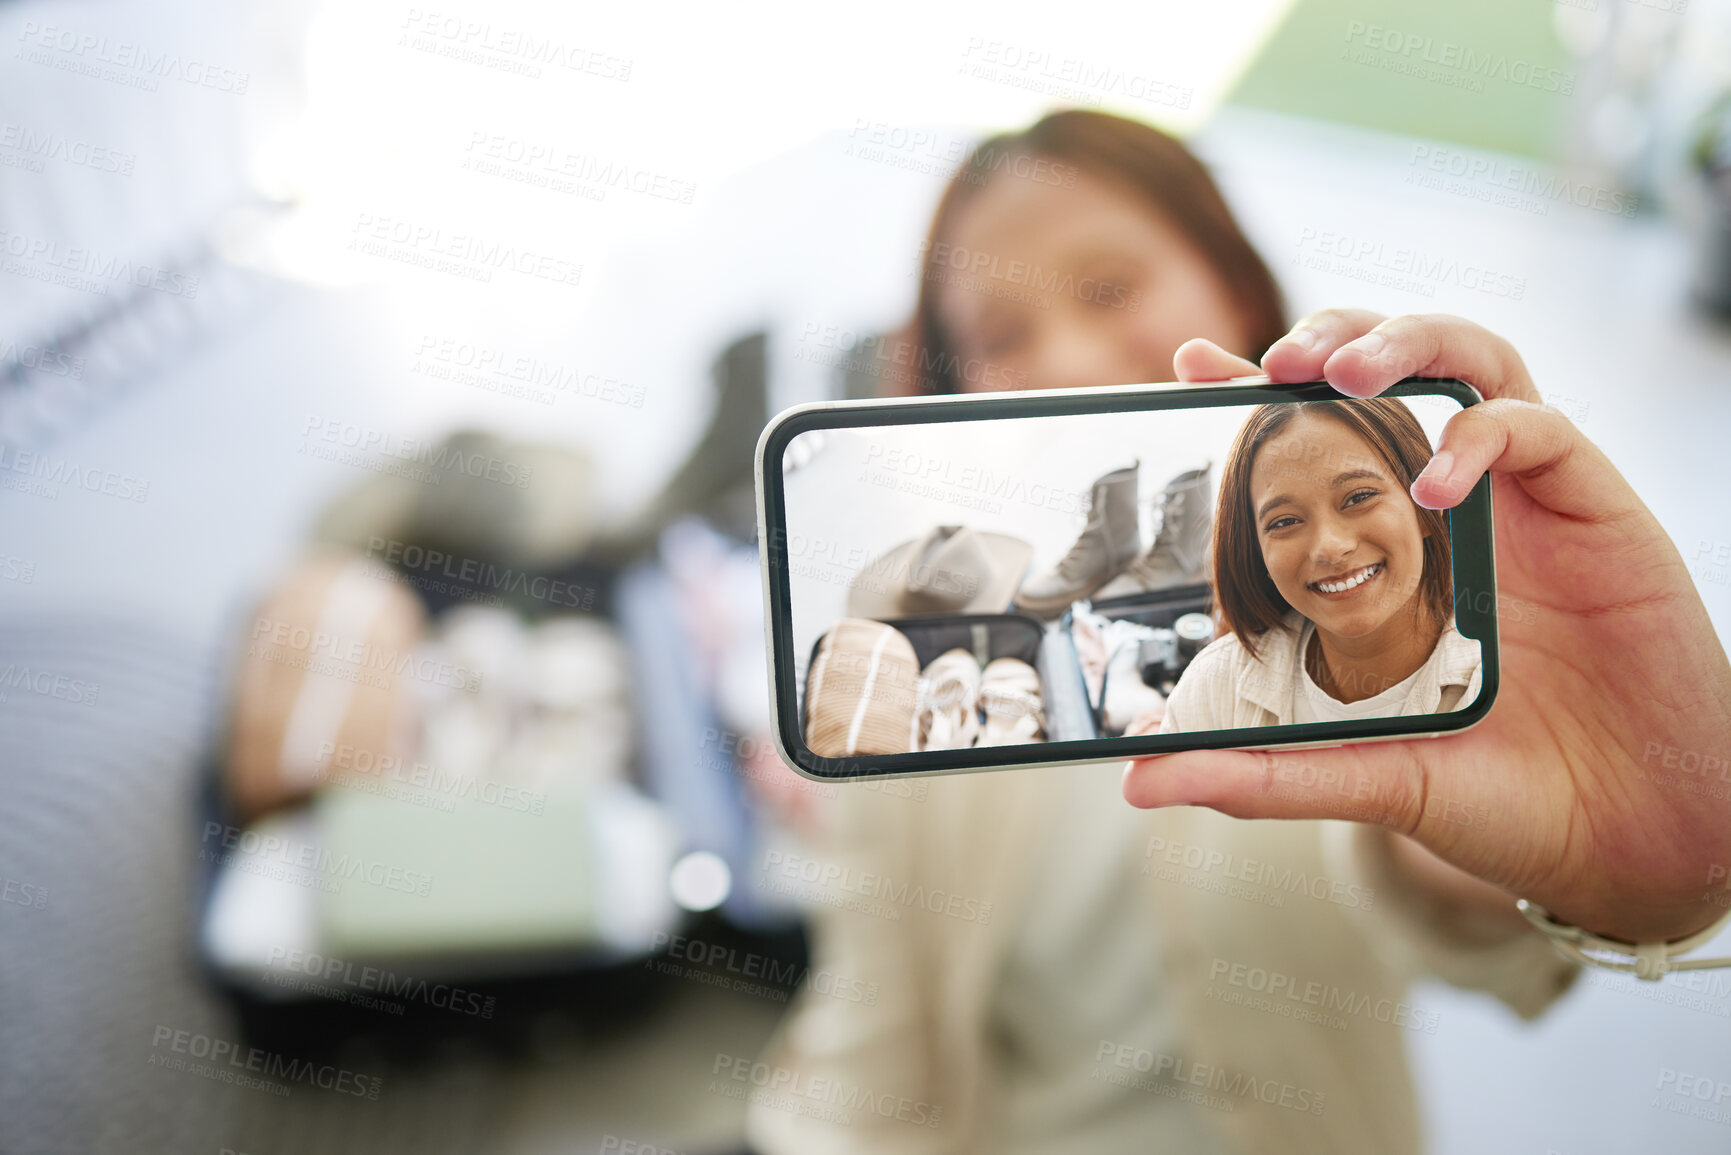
(416, 881)
(1485, 73)
(1712, 156)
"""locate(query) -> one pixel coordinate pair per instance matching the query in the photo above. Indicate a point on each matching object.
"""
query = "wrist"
(1471, 907)
(1654, 924)
(1650, 959)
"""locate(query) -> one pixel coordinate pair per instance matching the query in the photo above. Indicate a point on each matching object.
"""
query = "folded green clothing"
(406, 880)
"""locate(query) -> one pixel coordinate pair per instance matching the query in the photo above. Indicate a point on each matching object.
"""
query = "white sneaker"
(948, 716)
(1010, 697)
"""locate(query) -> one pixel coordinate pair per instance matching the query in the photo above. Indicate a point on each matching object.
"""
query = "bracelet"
(1651, 960)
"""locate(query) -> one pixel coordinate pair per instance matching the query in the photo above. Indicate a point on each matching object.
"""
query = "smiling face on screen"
(1339, 533)
(1080, 284)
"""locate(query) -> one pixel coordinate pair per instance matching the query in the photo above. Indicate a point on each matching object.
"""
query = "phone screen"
(968, 590)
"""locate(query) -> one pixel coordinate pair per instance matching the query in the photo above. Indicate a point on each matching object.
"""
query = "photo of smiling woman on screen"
(1333, 587)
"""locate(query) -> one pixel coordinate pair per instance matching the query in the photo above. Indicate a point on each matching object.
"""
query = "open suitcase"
(1049, 647)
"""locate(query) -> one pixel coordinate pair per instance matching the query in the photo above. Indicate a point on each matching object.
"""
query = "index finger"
(1299, 356)
(1362, 359)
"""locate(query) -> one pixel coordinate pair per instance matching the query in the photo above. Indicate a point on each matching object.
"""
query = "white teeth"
(1356, 579)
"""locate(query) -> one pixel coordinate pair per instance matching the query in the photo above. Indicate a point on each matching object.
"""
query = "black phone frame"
(1471, 540)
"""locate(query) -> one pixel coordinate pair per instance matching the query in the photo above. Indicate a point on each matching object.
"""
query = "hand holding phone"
(1600, 784)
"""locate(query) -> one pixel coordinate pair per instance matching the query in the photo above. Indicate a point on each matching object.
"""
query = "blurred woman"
(1054, 971)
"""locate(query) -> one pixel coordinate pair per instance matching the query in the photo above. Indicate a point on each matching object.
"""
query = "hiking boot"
(1108, 543)
(1184, 524)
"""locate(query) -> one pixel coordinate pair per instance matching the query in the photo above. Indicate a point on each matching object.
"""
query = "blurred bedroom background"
(293, 288)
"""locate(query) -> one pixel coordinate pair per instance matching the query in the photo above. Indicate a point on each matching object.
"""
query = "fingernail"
(1368, 346)
(1439, 469)
(1303, 338)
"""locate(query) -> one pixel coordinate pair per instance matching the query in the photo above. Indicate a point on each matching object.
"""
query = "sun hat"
(952, 569)
(861, 692)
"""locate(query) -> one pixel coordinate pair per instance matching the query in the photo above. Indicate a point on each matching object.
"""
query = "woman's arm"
(1473, 909)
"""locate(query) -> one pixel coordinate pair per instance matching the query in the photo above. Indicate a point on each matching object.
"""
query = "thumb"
(1555, 462)
(1380, 782)
(1200, 359)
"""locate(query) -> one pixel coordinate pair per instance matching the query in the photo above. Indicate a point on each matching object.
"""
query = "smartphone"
(996, 581)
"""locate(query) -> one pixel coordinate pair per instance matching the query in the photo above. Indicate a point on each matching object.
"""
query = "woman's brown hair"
(1244, 593)
(1138, 158)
